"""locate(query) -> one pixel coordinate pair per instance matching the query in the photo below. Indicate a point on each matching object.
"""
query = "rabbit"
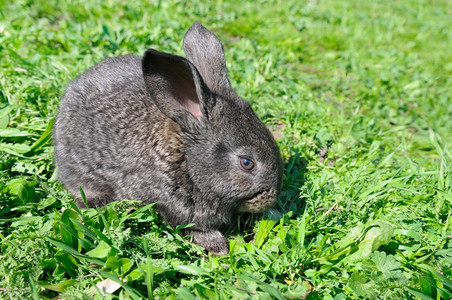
(168, 130)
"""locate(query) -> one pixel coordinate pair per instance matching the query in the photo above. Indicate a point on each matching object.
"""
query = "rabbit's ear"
(176, 87)
(204, 50)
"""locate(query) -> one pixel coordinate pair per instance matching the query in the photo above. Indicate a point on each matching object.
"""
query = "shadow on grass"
(294, 177)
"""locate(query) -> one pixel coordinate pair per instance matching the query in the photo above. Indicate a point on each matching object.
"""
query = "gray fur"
(167, 129)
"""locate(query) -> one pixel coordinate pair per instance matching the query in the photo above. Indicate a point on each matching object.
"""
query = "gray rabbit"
(167, 129)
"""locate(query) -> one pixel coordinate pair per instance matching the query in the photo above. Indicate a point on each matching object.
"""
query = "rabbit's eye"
(247, 164)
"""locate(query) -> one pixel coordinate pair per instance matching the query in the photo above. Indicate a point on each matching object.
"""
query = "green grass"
(360, 95)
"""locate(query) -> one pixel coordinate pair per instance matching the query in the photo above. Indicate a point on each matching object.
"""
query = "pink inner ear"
(192, 107)
(183, 89)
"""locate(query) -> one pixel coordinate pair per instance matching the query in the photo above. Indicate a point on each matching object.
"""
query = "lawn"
(358, 95)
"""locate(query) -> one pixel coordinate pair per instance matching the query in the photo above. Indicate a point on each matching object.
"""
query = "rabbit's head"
(231, 156)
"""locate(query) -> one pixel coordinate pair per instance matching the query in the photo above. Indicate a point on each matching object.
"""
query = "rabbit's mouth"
(259, 202)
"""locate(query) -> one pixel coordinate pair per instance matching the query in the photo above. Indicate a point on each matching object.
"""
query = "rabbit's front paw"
(213, 241)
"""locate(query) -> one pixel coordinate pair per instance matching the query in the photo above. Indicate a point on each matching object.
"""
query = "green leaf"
(123, 265)
(44, 137)
(419, 294)
(137, 213)
(384, 263)
(184, 293)
(360, 242)
(191, 270)
(63, 246)
(149, 279)
(271, 290)
(101, 250)
(46, 202)
(443, 279)
(59, 287)
(93, 234)
(428, 284)
(13, 132)
(69, 263)
(72, 251)
(15, 149)
(23, 221)
(252, 260)
(4, 116)
(82, 195)
(378, 233)
(178, 228)
(301, 231)
(248, 285)
(362, 286)
(136, 274)
(265, 226)
(262, 285)
(34, 291)
(323, 137)
(155, 269)
(22, 189)
(68, 233)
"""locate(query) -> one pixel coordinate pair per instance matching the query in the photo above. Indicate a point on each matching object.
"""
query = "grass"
(359, 95)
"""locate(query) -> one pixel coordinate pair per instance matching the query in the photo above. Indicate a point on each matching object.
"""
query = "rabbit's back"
(108, 136)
